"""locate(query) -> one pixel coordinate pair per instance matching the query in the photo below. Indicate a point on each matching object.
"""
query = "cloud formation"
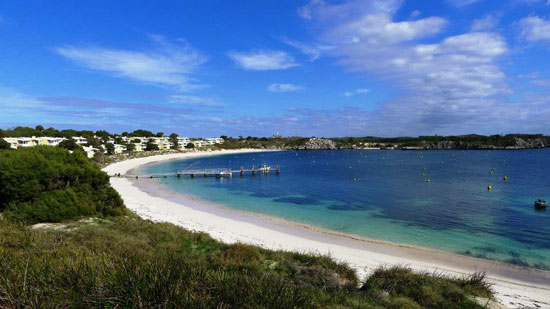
(356, 91)
(445, 86)
(535, 29)
(313, 52)
(462, 3)
(192, 100)
(278, 87)
(263, 60)
(487, 23)
(168, 64)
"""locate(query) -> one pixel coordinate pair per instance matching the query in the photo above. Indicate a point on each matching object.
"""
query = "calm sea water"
(391, 200)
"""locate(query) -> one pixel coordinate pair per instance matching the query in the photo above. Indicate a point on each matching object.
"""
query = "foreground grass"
(128, 262)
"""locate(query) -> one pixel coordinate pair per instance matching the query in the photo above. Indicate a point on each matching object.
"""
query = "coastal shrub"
(427, 290)
(49, 184)
(128, 262)
(4, 144)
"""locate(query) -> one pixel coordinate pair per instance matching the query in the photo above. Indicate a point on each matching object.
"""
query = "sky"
(297, 67)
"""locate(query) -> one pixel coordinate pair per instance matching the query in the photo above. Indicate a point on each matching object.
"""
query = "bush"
(70, 144)
(4, 144)
(129, 262)
(50, 184)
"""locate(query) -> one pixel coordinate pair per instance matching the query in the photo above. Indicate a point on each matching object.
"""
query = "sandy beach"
(514, 286)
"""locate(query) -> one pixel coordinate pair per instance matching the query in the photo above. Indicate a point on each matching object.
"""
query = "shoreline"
(514, 286)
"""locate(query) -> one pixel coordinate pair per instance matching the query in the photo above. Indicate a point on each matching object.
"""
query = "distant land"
(146, 140)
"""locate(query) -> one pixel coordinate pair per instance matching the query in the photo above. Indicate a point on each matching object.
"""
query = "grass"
(129, 262)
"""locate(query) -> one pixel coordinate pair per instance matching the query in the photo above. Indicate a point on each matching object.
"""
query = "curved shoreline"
(515, 286)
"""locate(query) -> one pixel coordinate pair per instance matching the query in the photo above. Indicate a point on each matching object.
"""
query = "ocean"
(385, 195)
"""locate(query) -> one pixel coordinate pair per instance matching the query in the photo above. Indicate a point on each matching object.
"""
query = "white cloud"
(450, 83)
(414, 14)
(487, 23)
(192, 100)
(534, 29)
(461, 3)
(278, 87)
(263, 60)
(356, 91)
(167, 65)
(313, 52)
(541, 82)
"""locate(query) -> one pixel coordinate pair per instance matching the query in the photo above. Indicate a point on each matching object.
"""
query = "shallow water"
(390, 200)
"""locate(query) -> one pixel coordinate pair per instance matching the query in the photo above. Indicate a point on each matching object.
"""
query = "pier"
(208, 172)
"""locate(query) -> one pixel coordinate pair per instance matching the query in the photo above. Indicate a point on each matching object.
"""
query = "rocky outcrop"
(516, 143)
(315, 143)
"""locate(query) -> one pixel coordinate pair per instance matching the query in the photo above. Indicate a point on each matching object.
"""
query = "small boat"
(224, 173)
(264, 168)
(540, 204)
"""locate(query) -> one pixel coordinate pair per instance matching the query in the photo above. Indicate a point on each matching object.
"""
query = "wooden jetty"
(210, 172)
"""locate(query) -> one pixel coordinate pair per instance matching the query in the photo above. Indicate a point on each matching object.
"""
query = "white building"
(90, 151)
(80, 140)
(50, 141)
(212, 141)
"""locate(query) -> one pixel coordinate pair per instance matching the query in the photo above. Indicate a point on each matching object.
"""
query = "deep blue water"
(391, 200)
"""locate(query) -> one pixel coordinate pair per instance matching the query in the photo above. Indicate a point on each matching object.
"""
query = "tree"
(124, 133)
(151, 146)
(93, 142)
(160, 134)
(4, 144)
(190, 146)
(110, 148)
(39, 128)
(174, 140)
(224, 137)
(48, 184)
(130, 147)
(141, 133)
(70, 144)
(103, 134)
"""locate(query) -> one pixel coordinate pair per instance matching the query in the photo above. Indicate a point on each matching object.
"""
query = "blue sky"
(310, 68)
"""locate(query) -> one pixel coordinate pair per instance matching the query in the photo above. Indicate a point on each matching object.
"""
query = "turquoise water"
(391, 200)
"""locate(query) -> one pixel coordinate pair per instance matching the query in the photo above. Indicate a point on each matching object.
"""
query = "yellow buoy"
(428, 180)
(489, 188)
(354, 179)
(423, 174)
(505, 177)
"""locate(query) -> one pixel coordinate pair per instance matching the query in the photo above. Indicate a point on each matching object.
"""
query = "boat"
(264, 168)
(224, 173)
(540, 204)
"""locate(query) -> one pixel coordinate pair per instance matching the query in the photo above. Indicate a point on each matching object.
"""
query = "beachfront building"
(27, 142)
(138, 147)
(80, 140)
(183, 141)
(13, 141)
(50, 141)
(120, 148)
(90, 151)
(199, 143)
(212, 141)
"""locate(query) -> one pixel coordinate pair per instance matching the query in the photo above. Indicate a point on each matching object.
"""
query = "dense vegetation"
(49, 184)
(128, 262)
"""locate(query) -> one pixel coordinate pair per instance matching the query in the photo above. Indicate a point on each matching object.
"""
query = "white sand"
(514, 286)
